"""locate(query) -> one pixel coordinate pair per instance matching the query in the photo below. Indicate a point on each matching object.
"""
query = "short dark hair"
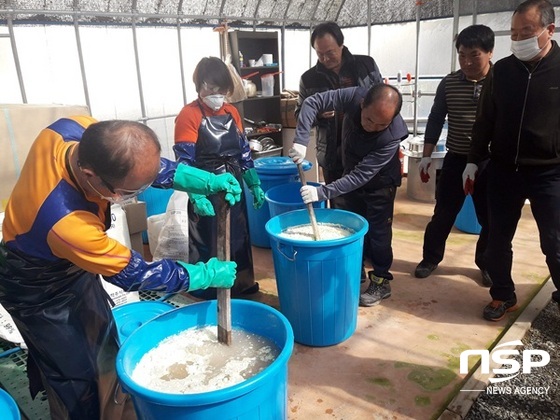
(379, 91)
(476, 36)
(212, 70)
(325, 28)
(543, 6)
(111, 148)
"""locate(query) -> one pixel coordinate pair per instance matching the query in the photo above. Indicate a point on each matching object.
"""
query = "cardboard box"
(19, 126)
(288, 107)
(137, 221)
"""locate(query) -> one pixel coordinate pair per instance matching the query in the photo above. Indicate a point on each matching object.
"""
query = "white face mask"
(526, 49)
(214, 101)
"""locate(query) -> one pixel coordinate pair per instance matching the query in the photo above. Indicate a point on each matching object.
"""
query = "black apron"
(218, 151)
(64, 316)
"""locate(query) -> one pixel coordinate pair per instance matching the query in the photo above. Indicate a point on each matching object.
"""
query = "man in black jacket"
(371, 136)
(336, 68)
(518, 118)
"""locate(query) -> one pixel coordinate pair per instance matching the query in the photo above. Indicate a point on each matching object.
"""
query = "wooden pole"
(224, 295)
(309, 206)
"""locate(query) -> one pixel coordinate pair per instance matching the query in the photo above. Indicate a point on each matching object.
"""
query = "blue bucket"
(466, 220)
(264, 396)
(156, 200)
(272, 171)
(286, 197)
(319, 281)
(132, 316)
(8, 407)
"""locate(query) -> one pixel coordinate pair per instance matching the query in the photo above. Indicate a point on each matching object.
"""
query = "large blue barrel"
(272, 171)
(131, 316)
(263, 396)
(8, 407)
(318, 281)
(466, 220)
(286, 197)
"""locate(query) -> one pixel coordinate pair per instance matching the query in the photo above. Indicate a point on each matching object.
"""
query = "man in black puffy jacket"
(517, 121)
(336, 68)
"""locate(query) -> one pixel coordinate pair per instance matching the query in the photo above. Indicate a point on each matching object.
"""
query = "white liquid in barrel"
(193, 361)
(327, 231)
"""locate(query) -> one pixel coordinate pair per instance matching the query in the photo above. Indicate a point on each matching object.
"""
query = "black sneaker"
(497, 309)
(486, 279)
(378, 289)
(424, 269)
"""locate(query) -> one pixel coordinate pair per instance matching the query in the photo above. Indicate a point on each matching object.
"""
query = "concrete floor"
(403, 360)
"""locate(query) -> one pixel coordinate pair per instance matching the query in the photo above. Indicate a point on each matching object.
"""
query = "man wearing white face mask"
(209, 135)
(517, 122)
(55, 244)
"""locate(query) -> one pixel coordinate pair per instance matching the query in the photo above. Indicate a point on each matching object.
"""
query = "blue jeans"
(508, 188)
(450, 197)
(376, 206)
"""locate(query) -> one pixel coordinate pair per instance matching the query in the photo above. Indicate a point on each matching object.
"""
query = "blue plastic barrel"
(156, 200)
(272, 171)
(132, 316)
(263, 396)
(8, 407)
(286, 197)
(466, 220)
(318, 281)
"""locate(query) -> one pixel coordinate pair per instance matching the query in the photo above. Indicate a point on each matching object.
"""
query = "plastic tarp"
(251, 13)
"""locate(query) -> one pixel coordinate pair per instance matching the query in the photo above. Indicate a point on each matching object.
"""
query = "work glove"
(214, 273)
(425, 164)
(297, 153)
(201, 205)
(193, 180)
(254, 183)
(309, 194)
(469, 175)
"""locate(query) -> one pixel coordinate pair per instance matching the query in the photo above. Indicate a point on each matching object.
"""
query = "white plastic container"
(267, 81)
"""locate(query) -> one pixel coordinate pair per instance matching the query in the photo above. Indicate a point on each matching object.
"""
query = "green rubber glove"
(214, 273)
(193, 180)
(254, 183)
(202, 205)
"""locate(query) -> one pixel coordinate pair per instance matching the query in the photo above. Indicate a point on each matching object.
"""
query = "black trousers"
(329, 176)
(377, 207)
(450, 197)
(508, 188)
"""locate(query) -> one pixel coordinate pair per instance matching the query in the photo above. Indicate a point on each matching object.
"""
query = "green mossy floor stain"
(433, 337)
(384, 382)
(453, 359)
(429, 378)
(422, 401)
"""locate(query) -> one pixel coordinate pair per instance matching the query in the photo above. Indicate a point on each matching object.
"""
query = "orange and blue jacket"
(49, 218)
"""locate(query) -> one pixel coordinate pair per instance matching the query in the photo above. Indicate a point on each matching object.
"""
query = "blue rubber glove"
(202, 206)
(214, 273)
(193, 180)
(254, 183)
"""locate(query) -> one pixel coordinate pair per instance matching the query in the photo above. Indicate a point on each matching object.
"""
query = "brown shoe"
(497, 309)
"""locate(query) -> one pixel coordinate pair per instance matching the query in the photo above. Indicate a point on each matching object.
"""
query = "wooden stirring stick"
(224, 295)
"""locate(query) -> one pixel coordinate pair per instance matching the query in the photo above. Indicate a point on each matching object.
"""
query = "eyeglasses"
(124, 193)
(476, 91)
